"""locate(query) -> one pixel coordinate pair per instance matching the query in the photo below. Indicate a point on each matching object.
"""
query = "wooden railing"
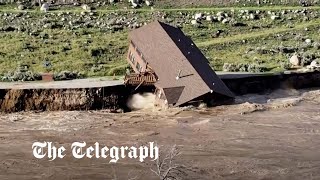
(146, 78)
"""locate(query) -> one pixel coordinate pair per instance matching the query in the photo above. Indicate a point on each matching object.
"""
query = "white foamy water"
(141, 101)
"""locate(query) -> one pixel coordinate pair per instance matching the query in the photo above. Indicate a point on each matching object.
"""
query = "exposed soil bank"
(14, 100)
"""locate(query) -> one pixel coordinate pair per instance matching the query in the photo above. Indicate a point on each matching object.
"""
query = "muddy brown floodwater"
(270, 136)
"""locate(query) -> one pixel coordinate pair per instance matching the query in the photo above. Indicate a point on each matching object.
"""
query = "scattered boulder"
(198, 16)
(315, 63)
(194, 22)
(209, 18)
(220, 13)
(86, 7)
(304, 3)
(44, 7)
(225, 21)
(306, 18)
(274, 17)
(295, 60)
(134, 5)
(253, 16)
(316, 45)
(220, 18)
(21, 7)
(308, 41)
(149, 3)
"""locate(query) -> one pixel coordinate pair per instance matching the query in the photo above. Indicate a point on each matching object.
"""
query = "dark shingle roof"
(170, 54)
(173, 94)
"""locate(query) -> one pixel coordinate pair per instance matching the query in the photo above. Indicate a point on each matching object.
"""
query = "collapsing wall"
(111, 98)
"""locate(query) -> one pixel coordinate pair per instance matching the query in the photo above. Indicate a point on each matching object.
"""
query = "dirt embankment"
(15, 100)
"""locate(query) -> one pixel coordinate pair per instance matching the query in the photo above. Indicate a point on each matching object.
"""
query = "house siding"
(135, 58)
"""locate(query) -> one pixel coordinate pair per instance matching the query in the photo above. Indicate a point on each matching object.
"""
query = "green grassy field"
(96, 50)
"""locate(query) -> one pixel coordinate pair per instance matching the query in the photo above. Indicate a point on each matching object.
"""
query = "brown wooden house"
(182, 72)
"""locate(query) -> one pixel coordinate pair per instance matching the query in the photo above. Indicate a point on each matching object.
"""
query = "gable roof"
(170, 54)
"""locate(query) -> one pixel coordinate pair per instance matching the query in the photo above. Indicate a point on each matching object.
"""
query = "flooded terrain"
(269, 136)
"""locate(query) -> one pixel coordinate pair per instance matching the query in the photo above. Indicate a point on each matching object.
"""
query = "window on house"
(133, 59)
(130, 55)
(138, 67)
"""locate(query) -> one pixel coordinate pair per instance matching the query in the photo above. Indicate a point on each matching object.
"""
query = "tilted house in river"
(182, 73)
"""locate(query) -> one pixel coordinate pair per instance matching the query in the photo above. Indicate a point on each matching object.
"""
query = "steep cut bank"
(110, 98)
